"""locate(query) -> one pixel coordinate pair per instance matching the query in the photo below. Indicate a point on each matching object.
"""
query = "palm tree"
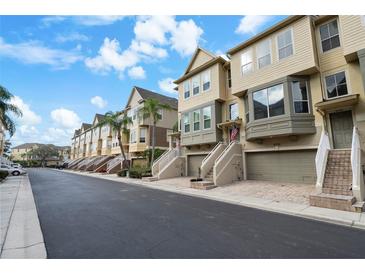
(118, 121)
(151, 109)
(7, 108)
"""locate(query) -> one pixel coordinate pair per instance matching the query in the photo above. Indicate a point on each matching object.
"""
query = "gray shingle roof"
(146, 94)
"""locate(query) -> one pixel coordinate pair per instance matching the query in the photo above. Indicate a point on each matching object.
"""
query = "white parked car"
(16, 165)
(15, 171)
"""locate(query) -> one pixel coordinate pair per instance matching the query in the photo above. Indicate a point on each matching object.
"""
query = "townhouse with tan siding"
(299, 86)
(97, 147)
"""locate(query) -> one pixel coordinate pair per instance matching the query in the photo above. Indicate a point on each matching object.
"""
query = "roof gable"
(133, 97)
(199, 57)
(98, 118)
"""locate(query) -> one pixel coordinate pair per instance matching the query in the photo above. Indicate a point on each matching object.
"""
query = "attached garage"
(194, 163)
(282, 166)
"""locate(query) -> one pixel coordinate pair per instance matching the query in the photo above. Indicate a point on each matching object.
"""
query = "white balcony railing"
(357, 175)
(321, 158)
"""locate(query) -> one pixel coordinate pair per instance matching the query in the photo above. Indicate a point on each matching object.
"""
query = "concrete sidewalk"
(229, 195)
(21, 234)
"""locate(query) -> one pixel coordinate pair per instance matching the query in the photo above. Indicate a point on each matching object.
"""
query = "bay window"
(246, 62)
(196, 84)
(207, 117)
(186, 122)
(300, 96)
(336, 85)
(285, 44)
(186, 89)
(264, 54)
(206, 80)
(233, 111)
(196, 120)
(329, 34)
(268, 102)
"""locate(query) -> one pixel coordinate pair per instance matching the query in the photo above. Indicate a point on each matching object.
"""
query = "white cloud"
(97, 20)
(49, 20)
(65, 118)
(250, 24)
(99, 102)
(29, 117)
(152, 29)
(153, 34)
(167, 85)
(111, 57)
(185, 37)
(148, 49)
(70, 37)
(57, 136)
(137, 73)
(34, 52)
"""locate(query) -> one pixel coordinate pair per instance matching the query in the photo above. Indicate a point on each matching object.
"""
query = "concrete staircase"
(337, 184)
(209, 175)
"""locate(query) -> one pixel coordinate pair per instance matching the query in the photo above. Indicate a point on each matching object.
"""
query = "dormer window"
(186, 89)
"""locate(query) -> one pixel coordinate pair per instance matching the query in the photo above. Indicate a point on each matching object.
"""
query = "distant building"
(23, 153)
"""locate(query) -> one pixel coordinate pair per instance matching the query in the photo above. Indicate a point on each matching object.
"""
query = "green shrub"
(3, 174)
(139, 172)
(123, 173)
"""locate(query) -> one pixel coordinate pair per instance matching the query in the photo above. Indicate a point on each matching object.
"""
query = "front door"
(342, 126)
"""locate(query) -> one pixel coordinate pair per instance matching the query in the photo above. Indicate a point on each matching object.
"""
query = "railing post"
(321, 158)
(358, 187)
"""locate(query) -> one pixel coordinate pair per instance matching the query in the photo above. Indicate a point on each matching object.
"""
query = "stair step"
(333, 201)
(202, 185)
(149, 179)
(337, 191)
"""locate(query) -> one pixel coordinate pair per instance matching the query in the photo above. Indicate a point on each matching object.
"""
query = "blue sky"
(64, 69)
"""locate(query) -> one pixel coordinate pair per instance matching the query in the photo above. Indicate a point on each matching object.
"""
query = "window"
(362, 17)
(160, 113)
(229, 78)
(300, 97)
(206, 80)
(246, 62)
(330, 38)
(142, 135)
(264, 54)
(186, 89)
(207, 117)
(285, 44)
(233, 111)
(336, 85)
(247, 110)
(269, 102)
(196, 120)
(196, 85)
(186, 122)
(133, 136)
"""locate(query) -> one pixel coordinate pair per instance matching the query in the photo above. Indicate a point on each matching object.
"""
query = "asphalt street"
(85, 217)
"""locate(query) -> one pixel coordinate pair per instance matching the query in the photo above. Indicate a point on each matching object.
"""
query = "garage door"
(194, 162)
(284, 166)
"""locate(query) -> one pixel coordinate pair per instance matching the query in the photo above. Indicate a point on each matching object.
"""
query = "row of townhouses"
(287, 105)
(96, 148)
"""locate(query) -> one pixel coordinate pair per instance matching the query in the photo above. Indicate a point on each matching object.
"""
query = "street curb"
(24, 237)
(265, 207)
